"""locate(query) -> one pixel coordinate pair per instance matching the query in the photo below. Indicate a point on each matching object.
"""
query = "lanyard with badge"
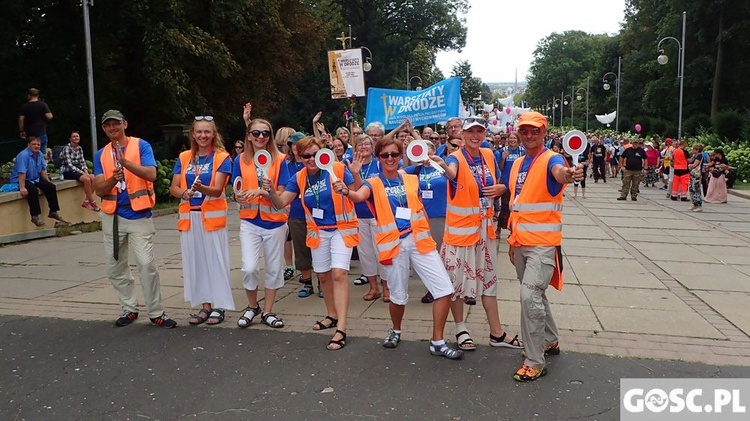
(317, 211)
(427, 193)
(484, 202)
(116, 153)
(197, 171)
(519, 186)
(402, 212)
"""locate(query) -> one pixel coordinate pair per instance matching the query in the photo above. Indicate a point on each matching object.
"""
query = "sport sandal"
(271, 320)
(446, 351)
(201, 317)
(216, 317)
(248, 314)
(499, 341)
(338, 343)
(322, 326)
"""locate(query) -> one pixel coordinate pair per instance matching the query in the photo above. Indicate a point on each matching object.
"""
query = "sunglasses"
(307, 155)
(434, 138)
(479, 120)
(259, 133)
(453, 145)
(386, 155)
(204, 117)
(239, 147)
(526, 132)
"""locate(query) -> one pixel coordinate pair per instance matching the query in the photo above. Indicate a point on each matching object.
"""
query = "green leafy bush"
(163, 179)
(739, 157)
(729, 124)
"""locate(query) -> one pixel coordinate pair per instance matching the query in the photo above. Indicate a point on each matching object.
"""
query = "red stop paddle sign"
(324, 159)
(262, 160)
(417, 151)
(575, 143)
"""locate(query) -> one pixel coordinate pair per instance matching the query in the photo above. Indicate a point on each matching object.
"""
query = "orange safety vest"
(213, 209)
(346, 217)
(140, 191)
(463, 214)
(536, 216)
(680, 162)
(387, 236)
(262, 205)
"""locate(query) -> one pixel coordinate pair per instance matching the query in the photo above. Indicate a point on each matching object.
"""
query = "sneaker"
(553, 349)
(428, 298)
(88, 204)
(320, 291)
(633, 199)
(392, 340)
(127, 318)
(445, 351)
(164, 321)
(528, 373)
(306, 291)
(621, 198)
(288, 273)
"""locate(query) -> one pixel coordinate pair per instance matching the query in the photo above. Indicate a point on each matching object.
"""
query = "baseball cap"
(668, 141)
(649, 144)
(532, 118)
(474, 121)
(112, 115)
(296, 137)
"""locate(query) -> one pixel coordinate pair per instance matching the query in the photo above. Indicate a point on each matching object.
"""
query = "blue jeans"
(43, 138)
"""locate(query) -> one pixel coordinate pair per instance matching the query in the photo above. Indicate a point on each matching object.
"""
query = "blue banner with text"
(434, 104)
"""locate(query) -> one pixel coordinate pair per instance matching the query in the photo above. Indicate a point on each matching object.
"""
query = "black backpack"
(57, 156)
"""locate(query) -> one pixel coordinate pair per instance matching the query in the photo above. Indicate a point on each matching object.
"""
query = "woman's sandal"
(340, 343)
(248, 314)
(321, 326)
(216, 317)
(272, 320)
(201, 317)
(499, 341)
(465, 343)
(371, 296)
(362, 280)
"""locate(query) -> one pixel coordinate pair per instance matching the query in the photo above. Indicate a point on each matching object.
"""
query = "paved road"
(56, 369)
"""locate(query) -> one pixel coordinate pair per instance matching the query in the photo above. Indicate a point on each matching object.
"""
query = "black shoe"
(164, 321)
(673, 198)
(633, 199)
(621, 198)
(127, 318)
(684, 199)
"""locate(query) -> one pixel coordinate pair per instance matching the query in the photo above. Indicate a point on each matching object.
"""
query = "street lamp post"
(419, 85)
(555, 102)
(579, 97)
(367, 66)
(663, 59)
(90, 76)
(568, 100)
(617, 88)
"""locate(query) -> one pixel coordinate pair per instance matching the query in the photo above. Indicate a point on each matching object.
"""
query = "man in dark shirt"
(633, 163)
(599, 154)
(32, 120)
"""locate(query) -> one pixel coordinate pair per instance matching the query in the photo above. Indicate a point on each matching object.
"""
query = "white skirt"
(205, 265)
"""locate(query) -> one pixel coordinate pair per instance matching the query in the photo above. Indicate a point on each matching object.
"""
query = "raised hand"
(356, 165)
(317, 117)
(247, 112)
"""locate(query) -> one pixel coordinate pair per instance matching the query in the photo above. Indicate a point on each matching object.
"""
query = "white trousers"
(252, 239)
(429, 267)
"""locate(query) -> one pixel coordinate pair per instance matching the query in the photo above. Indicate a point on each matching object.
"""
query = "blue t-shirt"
(348, 154)
(394, 188)
(478, 167)
(280, 182)
(553, 187)
(440, 151)
(205, 169)
(434, 187)
(513, 154)
(27, 163)
(370, 170)
(319, 194)
(123, 201)
(296, 211)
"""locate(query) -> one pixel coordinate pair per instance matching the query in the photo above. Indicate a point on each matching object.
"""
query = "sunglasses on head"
(204, 117)
(525, 131)
(307, 155)
(260, 133)
(386, 155)
(479, 120)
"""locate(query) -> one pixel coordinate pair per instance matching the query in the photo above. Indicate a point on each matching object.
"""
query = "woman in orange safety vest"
(199, 177)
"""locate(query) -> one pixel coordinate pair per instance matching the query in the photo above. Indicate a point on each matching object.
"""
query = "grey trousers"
(534, 267)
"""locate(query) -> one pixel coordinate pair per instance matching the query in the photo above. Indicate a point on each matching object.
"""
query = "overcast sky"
(503, 34)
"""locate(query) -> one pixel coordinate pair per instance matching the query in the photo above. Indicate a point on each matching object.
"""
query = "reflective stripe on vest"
(539, 227)
(140, 191)
(529, 207)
